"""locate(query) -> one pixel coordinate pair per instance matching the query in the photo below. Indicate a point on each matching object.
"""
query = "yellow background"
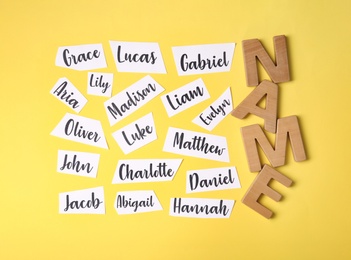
(311, 222)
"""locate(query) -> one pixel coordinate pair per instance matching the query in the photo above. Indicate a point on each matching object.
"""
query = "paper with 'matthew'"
(185, 97)
(145, 170)
(216, 112)
(143, 57)
(201, 208)
(87, 201)
(81, 57)
(81, 129)
(78, 163)
(212, 179)
(131, 99)
(68, 94)
(196, 144)
(132, 202)
(203, 59)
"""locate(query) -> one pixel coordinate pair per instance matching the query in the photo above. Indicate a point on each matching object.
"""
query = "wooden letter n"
(278, 71)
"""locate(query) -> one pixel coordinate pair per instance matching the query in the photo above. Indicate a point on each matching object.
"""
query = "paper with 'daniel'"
(212, 179)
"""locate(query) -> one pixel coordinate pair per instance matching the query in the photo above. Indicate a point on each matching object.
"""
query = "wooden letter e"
(260, 186)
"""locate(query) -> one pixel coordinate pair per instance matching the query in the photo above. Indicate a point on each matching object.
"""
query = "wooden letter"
(276, 156)
(260, 186)
(249, 105)
(278, 71)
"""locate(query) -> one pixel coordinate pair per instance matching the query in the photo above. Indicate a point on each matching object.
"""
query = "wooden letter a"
(278, 71)
(276, 156)
(249, 105)
(260, 186)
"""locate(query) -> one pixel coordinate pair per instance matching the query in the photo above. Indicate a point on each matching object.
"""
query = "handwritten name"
(68, 94)
(68, 58)
(202, 59)
(96, 81)
(81, 129)
(216, 112)
(144, 57)
(185, 97)
(137, 134)
(131, 99)
(75, 165)
(154, 171)
(81, 57)
(136, 57)
(202, 64)
(62, 93)
(176, 102)
(140, 134)
(207, 119)
(122, 202)
(131, 202)
(145, 170)
(82, 204)
(197, 143)
(74, 128)
(195, 181)
(201, 208)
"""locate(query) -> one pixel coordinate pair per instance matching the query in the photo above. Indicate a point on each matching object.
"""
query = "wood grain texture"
(286, 127)
(260, 186)
(278, 71)
(265, 89)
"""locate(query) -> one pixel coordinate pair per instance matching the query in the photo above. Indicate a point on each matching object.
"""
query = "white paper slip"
(131, 99)
(201, 208)
(145, 170)
(212, 179)
(81, 57)
(100, 84)
(185, 97)
(196, 144)
(81, 129)
(68, 94)
(216, 112)
(143, 57)
(78, 163)
(137, 134)
(87, 201)
(202, 59)
(132, 202)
